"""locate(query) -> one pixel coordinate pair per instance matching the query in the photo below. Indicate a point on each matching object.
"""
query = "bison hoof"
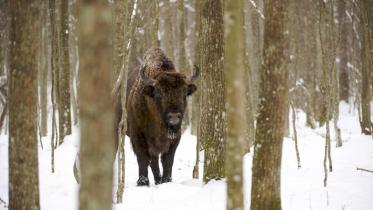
(158, 181)
(166, 179)
(143, 181)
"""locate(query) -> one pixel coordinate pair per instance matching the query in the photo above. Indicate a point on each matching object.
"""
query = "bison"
(156, 102)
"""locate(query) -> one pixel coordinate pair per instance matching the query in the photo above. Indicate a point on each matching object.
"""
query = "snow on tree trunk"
(273, 96)
(212, 121)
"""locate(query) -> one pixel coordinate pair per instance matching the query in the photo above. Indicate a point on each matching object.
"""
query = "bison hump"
(155, 60)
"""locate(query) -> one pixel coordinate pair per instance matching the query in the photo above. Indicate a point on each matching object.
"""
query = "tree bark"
(64, 104)
(96, 105)
(196, 97)
(366, 92)
(273, 96)
(234, 69)
(54, 71)
(43, 69)
(212, 122)
(343, 51)
(182, 62)
(167, 42)
(23, 141)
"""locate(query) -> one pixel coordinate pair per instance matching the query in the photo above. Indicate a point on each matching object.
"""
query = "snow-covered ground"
(301, 188)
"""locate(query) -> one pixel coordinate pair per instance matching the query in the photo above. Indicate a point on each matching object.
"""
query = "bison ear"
(149, 90)
(191, 89)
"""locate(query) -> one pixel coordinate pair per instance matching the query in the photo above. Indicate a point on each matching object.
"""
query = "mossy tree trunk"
(212, 122)
(266, 177)
(23, 141)
(96, 105)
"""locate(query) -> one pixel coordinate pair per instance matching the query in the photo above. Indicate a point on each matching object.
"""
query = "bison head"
(168, 91)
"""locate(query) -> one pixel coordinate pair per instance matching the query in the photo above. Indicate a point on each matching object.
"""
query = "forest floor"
(302, 188)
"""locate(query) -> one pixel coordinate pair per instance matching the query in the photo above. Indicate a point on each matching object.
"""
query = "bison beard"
(156, 101)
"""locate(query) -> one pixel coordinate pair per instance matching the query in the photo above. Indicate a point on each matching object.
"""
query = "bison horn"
(196, 74)
(144, 78)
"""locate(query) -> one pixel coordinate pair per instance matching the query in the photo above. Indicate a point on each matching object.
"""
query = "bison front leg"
(167, 162)
(154, 165)
(143, 162)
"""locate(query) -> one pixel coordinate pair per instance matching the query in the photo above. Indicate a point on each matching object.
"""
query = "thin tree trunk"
(295, 135)
(343, 51)
(43, 70)
(366, 92)
(235, 71)
(196, 97)
(23, 141)
(154, 24)
(182, 62)
(167, 38)
(54, 71)
(64, 104)
(74, 60)
(96, 105)
(273, 98)
(212, 122)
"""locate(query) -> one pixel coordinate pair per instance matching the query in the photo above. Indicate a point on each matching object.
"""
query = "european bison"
(156, 102)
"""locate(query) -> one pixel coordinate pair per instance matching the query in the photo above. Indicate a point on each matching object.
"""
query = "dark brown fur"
(147, 108)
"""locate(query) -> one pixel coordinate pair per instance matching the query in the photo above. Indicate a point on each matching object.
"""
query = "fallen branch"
(3, 203)
(362, 169)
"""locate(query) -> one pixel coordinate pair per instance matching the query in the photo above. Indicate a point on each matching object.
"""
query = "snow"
(301, 188)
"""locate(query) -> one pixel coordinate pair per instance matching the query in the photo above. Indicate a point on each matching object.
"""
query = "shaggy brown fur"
(156, 99)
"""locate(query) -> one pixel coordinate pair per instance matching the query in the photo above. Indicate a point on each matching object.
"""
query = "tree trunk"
(366, 92)
(273, 98)
(167, 37)
(182, 62)
(23, 141)
(235, 90)
(54, 70)
(43, 70)
(96, 105)
(212, 122)
(154, 24)
(343, 51)
(64, 105)
(196, 97)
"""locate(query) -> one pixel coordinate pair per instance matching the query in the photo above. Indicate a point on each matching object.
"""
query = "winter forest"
(186, 104)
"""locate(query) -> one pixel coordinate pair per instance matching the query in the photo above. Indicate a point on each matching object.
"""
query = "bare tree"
(64, 104)
(366, 91)
(23, 141)
(343, 51)
(273, 101)
(43, 69)
(234, 69)
(96, 105)
(196, 96)
(212, 122)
